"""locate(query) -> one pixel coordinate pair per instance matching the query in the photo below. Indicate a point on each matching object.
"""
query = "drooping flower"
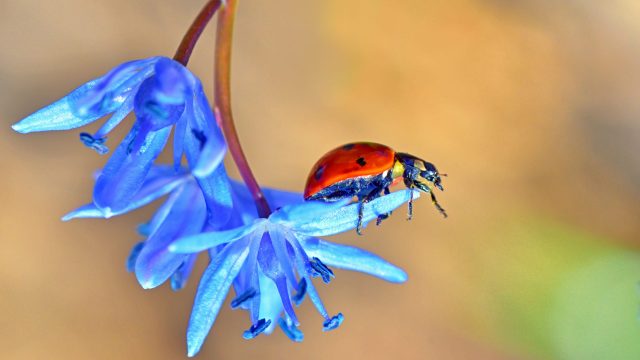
(271, 263)
(164, 95)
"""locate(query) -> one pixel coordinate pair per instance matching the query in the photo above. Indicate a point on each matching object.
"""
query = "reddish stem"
(195, 30)
(222, 92)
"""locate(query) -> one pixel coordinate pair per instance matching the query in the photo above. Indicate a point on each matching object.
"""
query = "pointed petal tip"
(193, 346)
(67, 217)
(19, 128)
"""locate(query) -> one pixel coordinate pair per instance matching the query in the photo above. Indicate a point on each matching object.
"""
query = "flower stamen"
(256, 329)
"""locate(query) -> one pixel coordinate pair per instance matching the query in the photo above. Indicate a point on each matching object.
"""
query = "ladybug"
(366, 170)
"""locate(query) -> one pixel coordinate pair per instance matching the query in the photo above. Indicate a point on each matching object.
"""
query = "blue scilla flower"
(164, 95)
(271, 262)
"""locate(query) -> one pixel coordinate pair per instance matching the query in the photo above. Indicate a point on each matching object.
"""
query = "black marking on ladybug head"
(318, 174)
(361, 161)
(348, 146)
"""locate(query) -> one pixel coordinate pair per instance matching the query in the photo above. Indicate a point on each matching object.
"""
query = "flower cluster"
(270, 262)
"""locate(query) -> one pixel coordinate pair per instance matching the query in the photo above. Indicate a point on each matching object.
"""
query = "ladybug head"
(430, 174)
(419, 173)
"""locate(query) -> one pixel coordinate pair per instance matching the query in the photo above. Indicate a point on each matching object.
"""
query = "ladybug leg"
(410, 204)
(433, 199)
(437, 205)
(384, 216)
(360, 215)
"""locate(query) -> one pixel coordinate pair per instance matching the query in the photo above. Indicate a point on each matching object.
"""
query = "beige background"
(530, 106)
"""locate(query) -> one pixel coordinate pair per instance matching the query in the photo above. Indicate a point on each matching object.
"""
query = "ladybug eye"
(429, 175)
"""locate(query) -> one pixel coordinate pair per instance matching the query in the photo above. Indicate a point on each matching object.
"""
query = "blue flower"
(271, 263)
(164, 95)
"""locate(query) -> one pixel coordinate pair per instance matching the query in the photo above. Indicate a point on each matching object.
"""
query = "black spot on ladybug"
(319, 173)
(348, 146)
(361, 161)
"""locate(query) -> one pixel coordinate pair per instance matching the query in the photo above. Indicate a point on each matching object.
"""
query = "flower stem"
(222, 92)
(195, 30)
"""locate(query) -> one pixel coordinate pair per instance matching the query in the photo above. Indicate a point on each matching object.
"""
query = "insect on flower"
(366, 170)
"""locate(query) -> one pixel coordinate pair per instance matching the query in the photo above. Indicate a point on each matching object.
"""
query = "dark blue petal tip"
(96, 144)
(320, 269)
(144, 229)
(133, 256)
(333, 323)
(302, 291)
(243, 298)
(256, 329)
(291, 330)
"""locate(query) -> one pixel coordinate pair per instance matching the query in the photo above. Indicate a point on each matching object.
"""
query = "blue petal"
(116, 118)
(126, 170)
(352, 258)
(160, 101)
(133, 256)
(213, 289)
(270, 303)
(178, 141)
(58, 115)
(153, 188)
(280, 247)
(88, 211)
(217, 194)
(180, 277)
(215, 147)
(187, 216)
(207, 240)
(215, 185)
(111, 90)
(306, 212)
(346, 218)
(89, 102)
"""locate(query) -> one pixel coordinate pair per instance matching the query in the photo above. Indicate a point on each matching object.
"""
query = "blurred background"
(530, 106)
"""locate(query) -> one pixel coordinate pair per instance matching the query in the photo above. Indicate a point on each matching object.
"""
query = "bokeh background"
(530, 106)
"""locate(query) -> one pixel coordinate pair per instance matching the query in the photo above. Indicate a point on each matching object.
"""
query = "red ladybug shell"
(349, 161)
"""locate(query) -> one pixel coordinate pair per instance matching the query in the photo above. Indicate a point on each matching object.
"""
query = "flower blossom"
(164, 95)
(271, 262)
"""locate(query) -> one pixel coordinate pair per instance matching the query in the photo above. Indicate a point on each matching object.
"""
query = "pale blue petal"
(58, 115)
(306, 212)
(110, 91)
(213, 289)
(152, 189)
(346, 218)
(133, 256)
(116, 118)
(352, 258)
(187, 216)
(270, 303)
(88, 211)
(215, 147)
(178, 141)
(125, 172)
(207, 240)
(180, 277)
(215, 186)
(280, 247)
(89, 102)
